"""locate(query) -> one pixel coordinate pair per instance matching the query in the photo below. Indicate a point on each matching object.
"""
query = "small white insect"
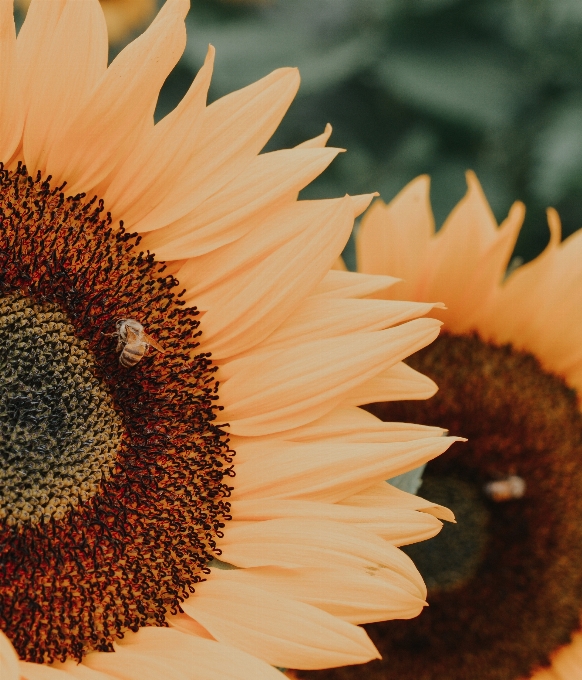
(133, 342)
(507, 489)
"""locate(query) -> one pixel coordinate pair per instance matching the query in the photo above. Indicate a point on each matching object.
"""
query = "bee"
(133, 342)
(507, 489)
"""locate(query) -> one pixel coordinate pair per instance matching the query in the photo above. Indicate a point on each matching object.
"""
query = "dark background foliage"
(417, 86)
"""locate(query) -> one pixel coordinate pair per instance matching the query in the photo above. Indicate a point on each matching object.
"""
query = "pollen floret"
(59, 432)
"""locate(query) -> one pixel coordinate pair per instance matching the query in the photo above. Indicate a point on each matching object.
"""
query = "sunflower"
(134, 542)
(505, 588)
(123, 17)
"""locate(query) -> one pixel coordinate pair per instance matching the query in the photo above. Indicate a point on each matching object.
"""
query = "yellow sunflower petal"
(155, 653)
(566, 664)
(329, 471)
(74, 62)
(35, 671)
(292, 543)
(344, 284)
(254, 300)
(269, 180)
(396, 525)
(12, 111)
(395, 383)
(518, 300)
(9, 665)
(349, 594)
(80, 671)
(119, 109)
(320, 317)
(282, 631)
(149, 174)
(234, 129)
(350, 424)
(34, 41)
(458, 248)
(395, 238)
(287, 391)
(386, 496)
(317, 142)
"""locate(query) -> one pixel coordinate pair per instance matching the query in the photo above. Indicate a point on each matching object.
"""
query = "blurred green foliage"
(417, 86)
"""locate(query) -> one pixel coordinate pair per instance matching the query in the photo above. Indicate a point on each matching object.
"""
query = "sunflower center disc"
(452, 558)
(502, 615)
(114, 480)
(58, 431)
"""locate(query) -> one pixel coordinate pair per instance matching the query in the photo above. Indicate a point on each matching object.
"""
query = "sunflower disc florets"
(114, 487)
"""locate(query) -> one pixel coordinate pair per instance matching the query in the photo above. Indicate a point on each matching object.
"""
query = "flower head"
(188, 486)
(505, 589)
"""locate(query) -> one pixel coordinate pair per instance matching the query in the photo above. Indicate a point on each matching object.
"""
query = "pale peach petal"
(385, 495)
(563, 277)
(34, 41)
(554, 333)
(281, 390)
(518, 301)
(559, 347)
(253, 301)
(214, 271)
(279, 630)
(269, 181)
(568, 256)
(186, 624)
(156, 653)
(149, 173)
(73, 63)
(567, 664)
(37, 671)
(362, 202)
(546, 674)
(292, 543)
(9, 665)
(319, 317)
(206, 277)
(394, 239)
(350, 594)
(340, 265)
(12, 110)
(565, 355)
(468, 232)
(234, 129)
(480, 289)
(317, 142)
(80, 671)
(394, 383)
(396, 525)
(349, 424)
(115, 116)
(329, 471)
(344, 284)
(251, 448)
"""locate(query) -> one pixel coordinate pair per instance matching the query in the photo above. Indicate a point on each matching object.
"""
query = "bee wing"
(153, 343)
(131, 336)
